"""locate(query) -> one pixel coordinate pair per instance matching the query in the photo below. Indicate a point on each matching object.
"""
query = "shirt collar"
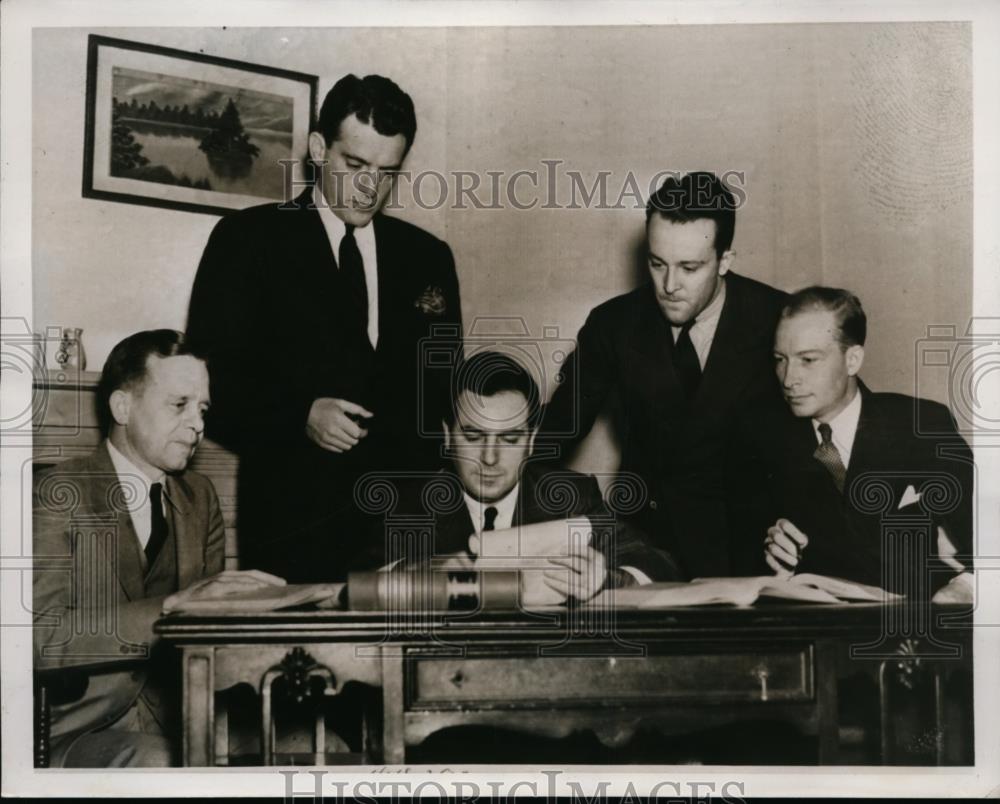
(125, 468)
(708, 318)
(335, 228)
(505, 507)
(844, 426)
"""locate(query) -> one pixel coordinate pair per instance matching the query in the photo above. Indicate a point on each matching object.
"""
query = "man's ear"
(447, 435)
(531, 439)
(121, 406)
(854, 356)
(726, 262)
(317, 146)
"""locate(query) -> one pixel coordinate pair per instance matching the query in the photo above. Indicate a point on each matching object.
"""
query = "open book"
(744, 592)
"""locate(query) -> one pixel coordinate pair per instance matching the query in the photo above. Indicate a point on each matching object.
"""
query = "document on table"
(744, 592)
(527, 548)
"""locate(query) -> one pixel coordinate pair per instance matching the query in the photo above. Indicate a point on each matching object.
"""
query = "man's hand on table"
(579, 574)
(960, 589)
(333, 424)
(225, 584)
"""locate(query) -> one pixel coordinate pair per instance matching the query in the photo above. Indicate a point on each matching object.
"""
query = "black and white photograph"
(491, 400)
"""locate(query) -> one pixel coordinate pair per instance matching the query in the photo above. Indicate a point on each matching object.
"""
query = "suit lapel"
(107, 492)
(652, 344)
(735, 334)
(452, 530)
(188, 536)
(315, 259)
(528, 508)
(386, 258)
(865, 449)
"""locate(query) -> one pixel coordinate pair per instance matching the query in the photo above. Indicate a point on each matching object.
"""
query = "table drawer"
(691, 677)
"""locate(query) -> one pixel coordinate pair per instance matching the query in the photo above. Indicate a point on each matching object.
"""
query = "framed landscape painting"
(183, 130)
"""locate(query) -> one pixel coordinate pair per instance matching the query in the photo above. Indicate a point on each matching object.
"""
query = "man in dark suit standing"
(493, 485)
(682, 354)
(312, 314)
(872, 487)
(115, 533)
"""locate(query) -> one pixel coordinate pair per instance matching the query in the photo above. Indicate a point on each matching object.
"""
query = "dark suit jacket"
(266, 307)
(901, 444)
(92, 607)
(679, 450)
(544, 494)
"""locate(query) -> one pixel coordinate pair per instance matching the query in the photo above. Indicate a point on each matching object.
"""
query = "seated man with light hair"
(849, 462)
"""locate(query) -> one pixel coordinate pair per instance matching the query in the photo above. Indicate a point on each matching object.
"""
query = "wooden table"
(557, 671)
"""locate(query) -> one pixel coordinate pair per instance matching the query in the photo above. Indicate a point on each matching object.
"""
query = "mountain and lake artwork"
(198, 134)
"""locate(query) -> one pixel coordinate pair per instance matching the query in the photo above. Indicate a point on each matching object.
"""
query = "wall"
(855, 141)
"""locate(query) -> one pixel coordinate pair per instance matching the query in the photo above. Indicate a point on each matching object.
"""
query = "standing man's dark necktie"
(686, 362)
(352, 271)
(828, 455)
(158, 529)
(490, 518)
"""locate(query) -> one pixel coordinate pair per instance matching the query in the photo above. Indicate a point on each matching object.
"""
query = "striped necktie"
(828, 455)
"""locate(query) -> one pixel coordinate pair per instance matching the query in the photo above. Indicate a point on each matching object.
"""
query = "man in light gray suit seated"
(116, 532)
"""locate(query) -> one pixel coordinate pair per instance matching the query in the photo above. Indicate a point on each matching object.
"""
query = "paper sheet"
(527, 548)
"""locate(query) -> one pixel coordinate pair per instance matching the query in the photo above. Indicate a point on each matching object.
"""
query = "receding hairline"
(138, 383)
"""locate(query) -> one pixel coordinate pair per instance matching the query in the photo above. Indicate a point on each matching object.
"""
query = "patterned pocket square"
(431, 301)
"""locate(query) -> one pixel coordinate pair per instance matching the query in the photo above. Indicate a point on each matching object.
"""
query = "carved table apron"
(555, 671)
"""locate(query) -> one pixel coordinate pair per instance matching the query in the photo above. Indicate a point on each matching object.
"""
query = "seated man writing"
(115, 533)
(489, 437)
(849, 461)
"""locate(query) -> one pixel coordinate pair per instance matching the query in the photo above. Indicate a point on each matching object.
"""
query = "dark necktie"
(828, 455)
(686, 361)
(490, 518)
(158, 529)
(352, 271)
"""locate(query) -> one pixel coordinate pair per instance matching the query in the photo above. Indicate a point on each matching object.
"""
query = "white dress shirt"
(703, 331)
(137, 504)
(843, 428)
(365, 238)
(505, 510)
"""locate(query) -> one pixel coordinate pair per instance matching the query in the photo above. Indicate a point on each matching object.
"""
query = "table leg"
(222, 734)
(393, 745)
(199, 707)
(827, 703)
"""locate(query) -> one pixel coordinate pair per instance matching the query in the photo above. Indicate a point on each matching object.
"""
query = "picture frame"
(188, 131)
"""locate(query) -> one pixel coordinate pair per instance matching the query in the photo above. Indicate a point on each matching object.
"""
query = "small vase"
(71, 354)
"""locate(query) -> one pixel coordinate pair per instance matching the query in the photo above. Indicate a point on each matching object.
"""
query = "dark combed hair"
(695, 196)
(852, 323)
(126, 365)
(487, 373)
(376, 101)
